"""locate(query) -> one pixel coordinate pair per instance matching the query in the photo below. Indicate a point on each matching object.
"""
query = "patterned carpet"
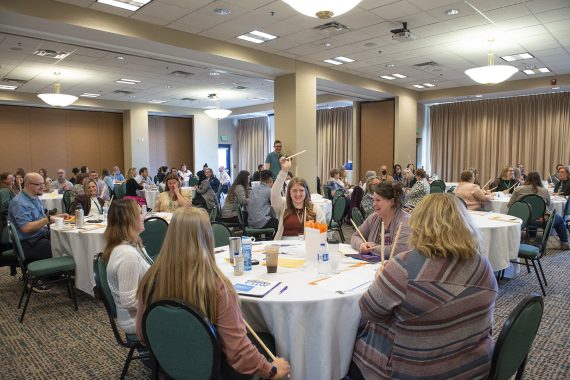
(55, 341)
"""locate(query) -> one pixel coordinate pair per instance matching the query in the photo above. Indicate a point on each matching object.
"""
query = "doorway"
(224, 157)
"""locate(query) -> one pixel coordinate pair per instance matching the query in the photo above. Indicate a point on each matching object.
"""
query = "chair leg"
(541, 272)
(538, 277)
(340, 233)
(127, 362)
(67, 287)
(27, 300)
(71, 287)
(23, 291)
(527, 265)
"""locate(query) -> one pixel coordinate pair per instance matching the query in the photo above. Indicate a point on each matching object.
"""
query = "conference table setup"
(52, 200)
(499, 204)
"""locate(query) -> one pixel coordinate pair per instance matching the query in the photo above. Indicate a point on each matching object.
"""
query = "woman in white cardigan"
(296, 208)
(126, 259)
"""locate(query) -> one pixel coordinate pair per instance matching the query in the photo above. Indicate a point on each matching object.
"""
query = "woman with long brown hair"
(173, 197)
(126, 259)
(297, 206)
(186, 270)
(238, 193)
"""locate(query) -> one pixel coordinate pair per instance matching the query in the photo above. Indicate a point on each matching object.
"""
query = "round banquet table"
(52, 200)
(449, 185)
(499, 205)
(149, 195)
(500, 237)
(313, 325)
(84, 244)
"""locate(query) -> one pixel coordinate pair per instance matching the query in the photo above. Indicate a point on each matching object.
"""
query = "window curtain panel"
(491, 134)
(334, 139)
(254, 142)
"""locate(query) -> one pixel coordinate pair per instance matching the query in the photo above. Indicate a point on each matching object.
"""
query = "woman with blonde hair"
(126, 259)
(296, 207)
(441, 288)
(186, 270)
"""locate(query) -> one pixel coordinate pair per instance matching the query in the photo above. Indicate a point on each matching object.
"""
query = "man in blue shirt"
(117, 176)
(27, 213)
(272, 162)
(259, 211)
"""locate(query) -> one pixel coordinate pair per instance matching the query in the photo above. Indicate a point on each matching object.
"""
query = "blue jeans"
(559, 226)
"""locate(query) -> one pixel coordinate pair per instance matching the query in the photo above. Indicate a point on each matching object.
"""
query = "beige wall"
(171, 142)
(49, 138)
(376, 136)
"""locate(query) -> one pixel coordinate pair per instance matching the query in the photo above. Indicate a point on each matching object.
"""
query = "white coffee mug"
(58, 222)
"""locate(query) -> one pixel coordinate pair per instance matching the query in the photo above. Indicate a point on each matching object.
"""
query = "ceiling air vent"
(188, 99)
(123, 92)
(51, 53)
(332, 25)
(181, 74)
(14, 80)
(430, 66)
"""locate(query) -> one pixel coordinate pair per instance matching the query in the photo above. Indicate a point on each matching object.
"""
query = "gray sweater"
(229, 209)
(523, 190)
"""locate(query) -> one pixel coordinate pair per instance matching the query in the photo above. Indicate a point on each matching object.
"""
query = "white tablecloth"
(449, 185)
(52, 200)
(150, 196)
(499, 205)
(191, 190)
(314, 327)
(83, 245)
(500, 235)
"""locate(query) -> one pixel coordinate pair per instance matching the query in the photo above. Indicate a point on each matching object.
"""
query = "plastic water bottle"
(104, 211)
(323, 264)
(246, 251)
(79, 216)
(238, 264)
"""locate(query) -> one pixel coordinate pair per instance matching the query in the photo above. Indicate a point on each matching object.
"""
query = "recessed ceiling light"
(544, 70)
(250, 39)
(120, 57)
(344, 59)
(508, 58)
(517, 57)
(257, 99)
(389, 65)
(327, 44)
(399, 76)
(222, 11)
(7, 87)
(418, 86)
(387, 77)
(214, 73)
(556, 88)
(257, 37)
(429, 85)
(127, 81)
(332, 62)
(478, 96)
(130, 5)
(157, 101)
(88, 95)
(263, 35)
(452, 12)
(528, 72)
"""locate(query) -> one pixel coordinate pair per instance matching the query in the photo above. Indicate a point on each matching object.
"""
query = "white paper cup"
(58, 222)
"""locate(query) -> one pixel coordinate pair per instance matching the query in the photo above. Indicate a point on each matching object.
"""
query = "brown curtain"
(254, 142)
(491, 134)
(334, 139)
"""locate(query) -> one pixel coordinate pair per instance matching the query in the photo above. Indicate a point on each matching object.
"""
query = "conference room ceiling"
(450, 44)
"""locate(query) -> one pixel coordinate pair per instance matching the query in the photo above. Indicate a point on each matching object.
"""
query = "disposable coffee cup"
(272, 258)
(58, 222)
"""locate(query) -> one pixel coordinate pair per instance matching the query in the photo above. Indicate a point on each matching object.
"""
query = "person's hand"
(285, 164)
(283, 368)
(62, 215)
(365, 247)
(176, 190)
(506, 191)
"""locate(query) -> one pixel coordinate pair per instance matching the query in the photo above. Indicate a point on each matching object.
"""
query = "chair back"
(537, 206)
(357, 217)
(221, 234)
(67, 200)
(120, 190)
(327, 192)
(546, 234)
(182, 340)
(516, 338)
(239, 214)
(339, 206)
(153, 235)
(339, 193)
(521, 210)
(17, 245)
(437, 186)
(193, 181)
(356, 197)
(319, 185)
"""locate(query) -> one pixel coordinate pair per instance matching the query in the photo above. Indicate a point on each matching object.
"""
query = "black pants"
(228, 373)
(272, 223)
(37, 248)
(354, 372)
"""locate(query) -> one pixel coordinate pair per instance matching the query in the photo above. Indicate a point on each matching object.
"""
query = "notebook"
(256, 287)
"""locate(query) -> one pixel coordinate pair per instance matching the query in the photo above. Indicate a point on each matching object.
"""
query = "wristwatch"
(48, 218)
(273, 372)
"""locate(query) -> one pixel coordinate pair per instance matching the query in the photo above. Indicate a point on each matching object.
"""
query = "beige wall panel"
(48, 140)
(15, 132)
(82, 138)
(170, 142)
(376, 136)
(110, 141)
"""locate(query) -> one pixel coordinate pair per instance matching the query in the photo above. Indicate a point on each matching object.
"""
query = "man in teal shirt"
(272, 160)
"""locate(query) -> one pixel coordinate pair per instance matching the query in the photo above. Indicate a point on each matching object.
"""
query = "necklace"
(299, 216)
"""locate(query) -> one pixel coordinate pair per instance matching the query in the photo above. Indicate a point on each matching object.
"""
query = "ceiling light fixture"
(222, 11)
(89, 95)
(491, 74)
(257, 37)
(344, 59)
(418, 86)
(7, 87)
(130, 5)
(332, 62)
(322, 9)
(339, 60)
(452, 12)
(399, 76)
(387, 77)
(56, 98)
(429, 84)
(217, 113)
(157, 101)
(516, 57)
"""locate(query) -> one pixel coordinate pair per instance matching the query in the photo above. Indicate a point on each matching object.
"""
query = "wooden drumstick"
(487, 184)
(357, 230)
(259, 340)
(296, 154)
(382, 243)
(395, 242)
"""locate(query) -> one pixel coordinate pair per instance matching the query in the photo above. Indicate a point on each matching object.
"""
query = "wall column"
(135, 137)
(205, 142)
(405, 130)
(296, 120)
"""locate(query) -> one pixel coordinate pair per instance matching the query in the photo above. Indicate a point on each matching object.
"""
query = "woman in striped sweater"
(429, 313)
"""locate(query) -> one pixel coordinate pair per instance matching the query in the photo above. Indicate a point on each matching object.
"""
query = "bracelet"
(49, 219)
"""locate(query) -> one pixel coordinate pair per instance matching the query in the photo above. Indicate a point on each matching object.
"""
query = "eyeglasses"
(278, 146)
(62, 173)
(36, 184)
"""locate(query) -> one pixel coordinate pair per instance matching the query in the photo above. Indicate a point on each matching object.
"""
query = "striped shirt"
(428, 319)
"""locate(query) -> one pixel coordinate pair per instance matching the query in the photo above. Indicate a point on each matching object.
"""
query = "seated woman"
(408, 179)
(173, 197)
(7, 193)
(471, 193)
(205, 195)
(18, 182)
(506, 181)
(186, 270)
(47, 180)
(126, 259)
(238, 192)
(334, 183)
(78, 188)
(214, 182)
(367, 200)
(387, 202)
(429, 313)
(397, 173)
(296, 207)
(132, 186)
(91, 204)
(419, 190)
(533, 185)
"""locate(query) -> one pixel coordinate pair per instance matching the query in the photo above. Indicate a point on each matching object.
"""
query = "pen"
(282, 290)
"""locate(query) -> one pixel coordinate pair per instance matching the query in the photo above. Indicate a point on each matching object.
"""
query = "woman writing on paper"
(296, 208)
(387, 203)
(428, 315)
(186, 270)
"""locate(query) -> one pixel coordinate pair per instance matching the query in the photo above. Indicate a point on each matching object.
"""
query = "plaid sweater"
(428, 319)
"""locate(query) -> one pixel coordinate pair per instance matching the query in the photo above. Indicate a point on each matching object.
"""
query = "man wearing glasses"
(272, 162)
(27, 213)
(61, 184)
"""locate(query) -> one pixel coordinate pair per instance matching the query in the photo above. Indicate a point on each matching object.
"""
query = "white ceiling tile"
(554, 15)
(151, 19)
(357, 19)
(81, 3)
(371, 4)
(188, 5)
(395, 11)
(427, 5)
(546, 5)
(507, 13)
(110, 9)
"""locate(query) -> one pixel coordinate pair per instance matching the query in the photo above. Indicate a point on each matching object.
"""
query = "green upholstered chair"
(182, 341)
(437, 186)
(7, 255)
(338, 209)
(60, 268)
(67, 194)
(531, 254)
(193, 181)
(102, 289)
(538, 209)
(153, 235)
(357, 217)
(260, 233)
(522, 211)
(120, 190)
(516, 338)
(221, 234)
